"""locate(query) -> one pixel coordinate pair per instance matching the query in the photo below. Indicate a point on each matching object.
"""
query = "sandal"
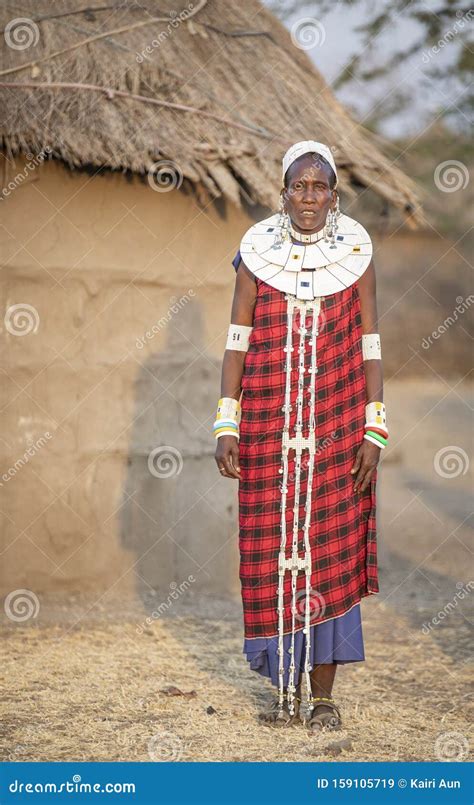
(325, 720)
(273, 717)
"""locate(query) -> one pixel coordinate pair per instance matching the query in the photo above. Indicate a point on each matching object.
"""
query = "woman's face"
(308, 196)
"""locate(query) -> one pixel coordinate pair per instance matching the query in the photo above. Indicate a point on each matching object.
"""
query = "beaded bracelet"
(375, 438)
(381, 431)
(227, 418)
(378, 434)
(228, 408)
(225, 427)
(376, 424)
(375, 414)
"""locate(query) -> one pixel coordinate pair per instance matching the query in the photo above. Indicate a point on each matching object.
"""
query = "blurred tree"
(438, 27)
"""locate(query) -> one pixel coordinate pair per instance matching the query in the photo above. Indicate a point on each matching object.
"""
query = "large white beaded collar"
(307, 270)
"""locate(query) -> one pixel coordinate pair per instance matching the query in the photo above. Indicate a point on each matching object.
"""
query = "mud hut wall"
(118, 300)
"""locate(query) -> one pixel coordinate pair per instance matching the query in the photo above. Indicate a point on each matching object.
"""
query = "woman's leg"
(322, 679)
(323, 714)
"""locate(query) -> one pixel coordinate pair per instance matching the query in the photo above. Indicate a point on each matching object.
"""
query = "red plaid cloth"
(343, 523)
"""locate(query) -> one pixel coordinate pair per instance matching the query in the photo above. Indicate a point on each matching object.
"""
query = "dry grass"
(93, 694)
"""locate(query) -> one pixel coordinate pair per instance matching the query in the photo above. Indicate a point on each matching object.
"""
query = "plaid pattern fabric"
(343, 523)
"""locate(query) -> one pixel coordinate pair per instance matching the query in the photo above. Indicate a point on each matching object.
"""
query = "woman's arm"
(368, 454)
(368, 311)
(243, 305)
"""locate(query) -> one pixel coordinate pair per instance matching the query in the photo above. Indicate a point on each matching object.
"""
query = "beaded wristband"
(228, 433)
(369, 423)
(228, 408)
(375, 414)
(374, 441)
(381, 431)
(376, 424)
(225, 429)
(377, 436)
(220, 422)
(227, 418)
(222, 426)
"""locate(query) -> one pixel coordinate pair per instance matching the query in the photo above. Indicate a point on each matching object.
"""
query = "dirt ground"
(84, 682)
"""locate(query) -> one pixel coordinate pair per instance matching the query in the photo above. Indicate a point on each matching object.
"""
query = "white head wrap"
(307, 147)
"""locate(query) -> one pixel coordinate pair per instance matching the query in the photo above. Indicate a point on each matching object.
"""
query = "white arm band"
(238, 337)
(371, 349)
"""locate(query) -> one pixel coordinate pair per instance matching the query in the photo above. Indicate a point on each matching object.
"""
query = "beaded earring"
(331, 225)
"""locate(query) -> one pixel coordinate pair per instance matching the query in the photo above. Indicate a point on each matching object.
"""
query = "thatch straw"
(221, 94)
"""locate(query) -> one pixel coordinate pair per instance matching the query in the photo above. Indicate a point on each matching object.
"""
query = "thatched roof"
(221, 94)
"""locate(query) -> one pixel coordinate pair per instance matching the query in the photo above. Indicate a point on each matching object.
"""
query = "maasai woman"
(300, 424)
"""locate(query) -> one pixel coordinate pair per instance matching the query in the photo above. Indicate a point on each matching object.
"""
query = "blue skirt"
(338, 640)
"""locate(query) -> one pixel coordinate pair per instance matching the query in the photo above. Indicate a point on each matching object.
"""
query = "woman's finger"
(232, 468)
(234, 457)
(228, 466)
(357, 461)
(223, 470)
(363, 479)
(222, 465)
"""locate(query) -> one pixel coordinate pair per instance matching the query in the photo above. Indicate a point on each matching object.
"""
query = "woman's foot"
(325, 715)
(273, 717)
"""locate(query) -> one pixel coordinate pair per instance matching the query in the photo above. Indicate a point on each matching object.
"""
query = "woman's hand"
(366, 460)
(227, 457)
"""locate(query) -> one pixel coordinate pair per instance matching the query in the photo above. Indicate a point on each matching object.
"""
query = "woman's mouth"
(308, 213)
